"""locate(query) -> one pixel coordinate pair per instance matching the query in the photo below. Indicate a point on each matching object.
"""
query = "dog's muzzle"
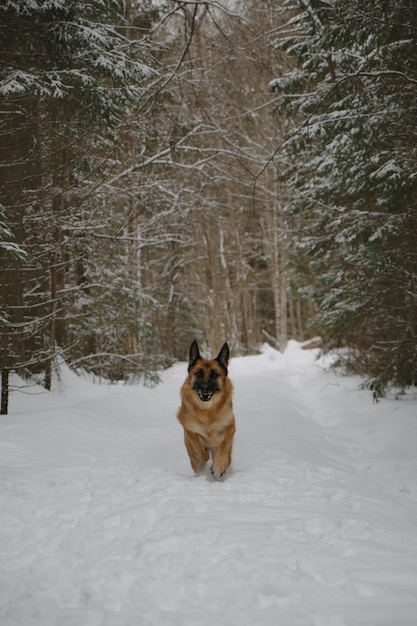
(205, 396)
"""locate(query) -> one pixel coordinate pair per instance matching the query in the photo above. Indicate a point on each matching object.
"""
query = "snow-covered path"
(103, 523)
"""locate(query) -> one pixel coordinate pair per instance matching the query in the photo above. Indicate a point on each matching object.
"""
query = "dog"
(206, 412)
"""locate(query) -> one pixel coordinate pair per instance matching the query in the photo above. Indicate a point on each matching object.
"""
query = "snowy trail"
(103, 522)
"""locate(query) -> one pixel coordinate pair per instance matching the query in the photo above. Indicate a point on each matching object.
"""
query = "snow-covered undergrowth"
(103, 523)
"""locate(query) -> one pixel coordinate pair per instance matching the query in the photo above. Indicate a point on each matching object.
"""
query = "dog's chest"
(212, 437)
(209, 424)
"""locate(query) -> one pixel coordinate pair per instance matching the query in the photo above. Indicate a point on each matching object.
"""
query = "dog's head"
(207, 375)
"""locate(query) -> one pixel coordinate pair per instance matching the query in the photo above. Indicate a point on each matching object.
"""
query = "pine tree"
(67, 70)
(351, 179)
(10, 252)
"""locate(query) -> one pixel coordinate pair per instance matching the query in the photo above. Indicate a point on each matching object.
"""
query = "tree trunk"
(57, 328)
(135, 275)
(4, 391)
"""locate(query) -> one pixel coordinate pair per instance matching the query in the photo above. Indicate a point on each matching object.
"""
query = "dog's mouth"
(205, 396)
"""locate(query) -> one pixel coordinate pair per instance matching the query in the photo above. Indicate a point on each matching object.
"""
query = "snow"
(104, 524)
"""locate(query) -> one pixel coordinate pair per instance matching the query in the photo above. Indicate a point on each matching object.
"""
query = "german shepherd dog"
(206, 411)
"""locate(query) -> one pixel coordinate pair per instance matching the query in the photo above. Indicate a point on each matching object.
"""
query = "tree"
(66, 69)
(221, 133)
(9, 252)
(351, 177)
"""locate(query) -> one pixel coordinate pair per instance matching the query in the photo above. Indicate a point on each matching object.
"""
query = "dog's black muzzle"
(205, 391)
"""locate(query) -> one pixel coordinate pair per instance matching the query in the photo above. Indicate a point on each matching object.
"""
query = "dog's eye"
(213, 374)
(199, 374)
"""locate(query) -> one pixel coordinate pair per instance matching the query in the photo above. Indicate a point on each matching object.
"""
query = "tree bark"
(4, 409)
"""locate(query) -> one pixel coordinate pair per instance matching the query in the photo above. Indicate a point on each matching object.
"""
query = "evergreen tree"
(9, 252)
(68, 72)
(351, 178)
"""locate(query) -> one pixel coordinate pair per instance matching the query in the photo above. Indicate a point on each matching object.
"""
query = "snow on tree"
(68, 69)
(351, 177)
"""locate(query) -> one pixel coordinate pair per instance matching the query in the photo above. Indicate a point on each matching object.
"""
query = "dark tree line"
(351, 178)
(154, 190)
(68, 72)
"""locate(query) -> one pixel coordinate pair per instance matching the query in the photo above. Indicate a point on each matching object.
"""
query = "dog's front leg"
(223, 456)
(196, 451)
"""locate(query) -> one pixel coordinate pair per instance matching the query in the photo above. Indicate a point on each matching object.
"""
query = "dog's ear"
(194, 355)
(223, 357)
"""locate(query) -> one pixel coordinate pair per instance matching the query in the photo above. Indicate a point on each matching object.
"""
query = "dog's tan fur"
(209, 427)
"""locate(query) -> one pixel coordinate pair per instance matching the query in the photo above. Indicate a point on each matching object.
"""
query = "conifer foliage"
(141, 208)
(351, 177)
(68, 73)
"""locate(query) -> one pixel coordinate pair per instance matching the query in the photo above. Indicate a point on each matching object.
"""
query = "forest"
(217, 170)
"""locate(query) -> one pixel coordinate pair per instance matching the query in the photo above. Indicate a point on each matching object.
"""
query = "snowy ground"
(103, 523)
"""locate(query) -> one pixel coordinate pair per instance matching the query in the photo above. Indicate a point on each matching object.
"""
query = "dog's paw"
(216, 473)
